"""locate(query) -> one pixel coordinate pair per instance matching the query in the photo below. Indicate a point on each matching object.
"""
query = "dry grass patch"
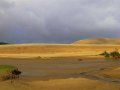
(8, 72)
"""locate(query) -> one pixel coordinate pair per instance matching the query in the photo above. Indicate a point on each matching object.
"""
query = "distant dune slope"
(55, 48)
(99, 41)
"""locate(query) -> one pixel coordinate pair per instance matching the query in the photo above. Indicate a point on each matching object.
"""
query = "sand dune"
(85, 49)
(55, 49)
(99, 41)
(81, 47)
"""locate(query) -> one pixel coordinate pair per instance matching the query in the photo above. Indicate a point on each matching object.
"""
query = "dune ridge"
(81, 47)
(55, 48)
(98, 41)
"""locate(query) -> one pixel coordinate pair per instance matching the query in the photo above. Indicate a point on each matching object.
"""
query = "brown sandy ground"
(113, 72)
(59, 84)
(75, 84)
(62, 73)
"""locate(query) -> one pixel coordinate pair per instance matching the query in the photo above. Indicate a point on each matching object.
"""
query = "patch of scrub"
(4, 68)
(5, 71)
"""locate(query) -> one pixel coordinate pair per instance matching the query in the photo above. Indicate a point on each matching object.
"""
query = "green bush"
(4, 68)
(105, 54)
(113, 54)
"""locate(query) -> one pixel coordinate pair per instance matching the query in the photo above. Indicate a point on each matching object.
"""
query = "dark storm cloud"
(58, 20)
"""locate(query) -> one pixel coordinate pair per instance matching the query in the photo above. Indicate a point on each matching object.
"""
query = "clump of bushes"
(114, 54)
(105, 54)
(9, 72)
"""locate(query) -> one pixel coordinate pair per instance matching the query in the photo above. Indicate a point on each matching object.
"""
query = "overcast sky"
(58, 21)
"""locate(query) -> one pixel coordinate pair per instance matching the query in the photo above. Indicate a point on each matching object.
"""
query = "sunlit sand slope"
(56, 48)
(99, 41)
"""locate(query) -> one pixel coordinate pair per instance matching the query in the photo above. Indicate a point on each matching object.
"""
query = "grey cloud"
(6, 4)
(58, 21)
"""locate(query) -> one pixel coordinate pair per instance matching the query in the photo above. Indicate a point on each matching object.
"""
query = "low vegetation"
(114, 54)
(9, 72)
(3, 43)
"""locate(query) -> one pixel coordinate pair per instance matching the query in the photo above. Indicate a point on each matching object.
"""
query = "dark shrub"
(8, 72)
(105, 54)
(114, 54)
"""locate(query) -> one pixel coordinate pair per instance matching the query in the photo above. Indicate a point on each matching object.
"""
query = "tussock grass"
(4, 68)
(5, 71)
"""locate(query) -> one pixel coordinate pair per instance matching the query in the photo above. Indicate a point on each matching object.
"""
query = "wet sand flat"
(57, 66)
(59, 72)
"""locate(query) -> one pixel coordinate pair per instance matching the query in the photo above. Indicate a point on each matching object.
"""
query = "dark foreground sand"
(62, 74)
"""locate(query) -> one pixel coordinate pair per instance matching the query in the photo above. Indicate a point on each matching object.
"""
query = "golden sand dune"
(55, 49)
(82, 47)
(99, 41)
